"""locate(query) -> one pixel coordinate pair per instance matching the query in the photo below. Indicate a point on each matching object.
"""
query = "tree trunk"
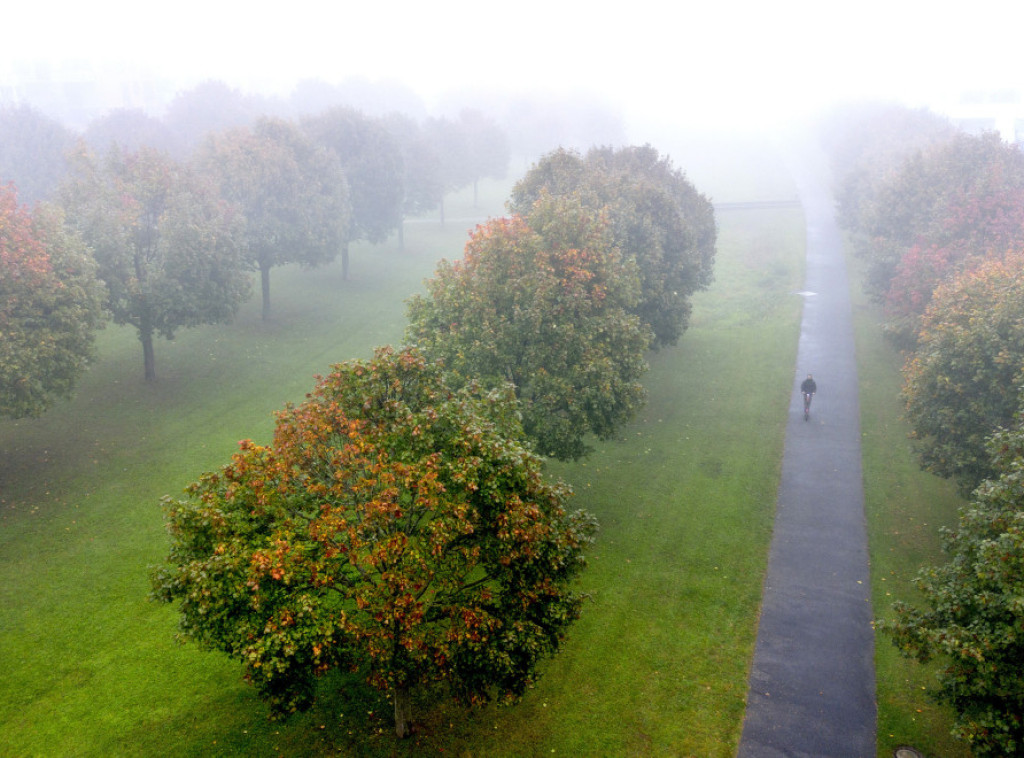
(344, 261)
(442, 211)
(265, 282)
(403, 711)
(148, 357)
(401, 234)
(474, 194)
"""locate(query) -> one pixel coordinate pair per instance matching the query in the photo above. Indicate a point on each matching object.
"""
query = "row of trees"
(938, 216)
(174, 239)
(399, 525)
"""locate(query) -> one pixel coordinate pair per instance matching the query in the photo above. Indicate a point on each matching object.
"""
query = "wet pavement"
(812, 682)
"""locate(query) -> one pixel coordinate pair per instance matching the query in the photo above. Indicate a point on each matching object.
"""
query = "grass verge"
(905, 507)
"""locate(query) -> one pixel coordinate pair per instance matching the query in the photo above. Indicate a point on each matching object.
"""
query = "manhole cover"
(907, 752)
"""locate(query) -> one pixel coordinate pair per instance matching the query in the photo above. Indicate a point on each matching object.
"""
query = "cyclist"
(808, 387)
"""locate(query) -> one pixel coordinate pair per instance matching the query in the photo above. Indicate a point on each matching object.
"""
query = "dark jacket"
(808, 387)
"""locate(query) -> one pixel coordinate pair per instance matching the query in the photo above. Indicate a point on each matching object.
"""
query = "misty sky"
(659, 60)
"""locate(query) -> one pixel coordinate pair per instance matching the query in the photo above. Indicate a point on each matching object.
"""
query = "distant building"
(979, 112)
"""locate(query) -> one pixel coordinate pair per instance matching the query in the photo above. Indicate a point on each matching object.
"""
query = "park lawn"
(657, 664)
(905, 507)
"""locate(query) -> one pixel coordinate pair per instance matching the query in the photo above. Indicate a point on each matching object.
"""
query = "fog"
(728, 66)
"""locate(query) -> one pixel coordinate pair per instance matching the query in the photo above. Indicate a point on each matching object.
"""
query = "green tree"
(166, 244)
(422, 169)
(542, 301)
(487, 148)
(292, 193)
(50, 307)
(372, 161)
(973, 615)
(658, 218)
(393, 526)
(963, 382)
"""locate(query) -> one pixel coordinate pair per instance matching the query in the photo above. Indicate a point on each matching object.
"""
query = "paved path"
(812, 683)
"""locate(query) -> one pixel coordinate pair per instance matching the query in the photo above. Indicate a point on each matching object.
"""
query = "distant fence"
(756, 205)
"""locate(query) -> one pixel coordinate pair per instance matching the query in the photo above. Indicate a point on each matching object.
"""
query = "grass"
(905, 507)
(658, 663)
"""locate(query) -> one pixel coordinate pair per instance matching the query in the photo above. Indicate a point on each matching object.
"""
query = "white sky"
(669, 62)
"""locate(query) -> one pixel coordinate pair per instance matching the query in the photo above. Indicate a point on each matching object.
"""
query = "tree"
(658, 218)
(32, 152)
(50, 307)
(542, 301)
(211, 106)
(963, 382)
(954, 195)
(166, 244)
(372, 162)
(421, 179)
(393, 526)
(130, 129)
(292, 193)
(973, 615)
(487, 148)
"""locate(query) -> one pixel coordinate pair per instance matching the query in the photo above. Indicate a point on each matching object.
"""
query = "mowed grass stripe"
(658, 663)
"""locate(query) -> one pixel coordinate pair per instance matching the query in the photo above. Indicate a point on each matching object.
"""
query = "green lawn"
(656, 666)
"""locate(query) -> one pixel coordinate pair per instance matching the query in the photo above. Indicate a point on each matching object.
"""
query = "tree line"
(937, 216)
(173, 228)
(399, 525)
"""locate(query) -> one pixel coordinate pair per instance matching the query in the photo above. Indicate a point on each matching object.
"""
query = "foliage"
(166, 245)
(973, 618)
(50, 307)
(420, 163)
(392, 526)
(32, 152)
(211, 106)
(658, 219)
(292, 193)
(963, 382)
(130, 129)
(487, 147)
(961, 195)
(867, 142)
(542, 301)
(372, 161)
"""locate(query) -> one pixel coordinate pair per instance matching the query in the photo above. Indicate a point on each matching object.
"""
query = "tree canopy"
(393, 526)
(292, 193)
(543, 301)
(963, 382)
(372, 161)
(50, 307)
(973, 610)
(32, 152)
(166, 245)
(658, 219)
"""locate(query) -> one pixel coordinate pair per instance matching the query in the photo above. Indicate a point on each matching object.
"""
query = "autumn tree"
(543, 301)
(292, 193)
(867, 142)
(658, 219)
(972, 617)
(372, 162)
(951, 195)
(393, 527)
(963, 382)
(50, 307)
(166, 244)
(130, 130)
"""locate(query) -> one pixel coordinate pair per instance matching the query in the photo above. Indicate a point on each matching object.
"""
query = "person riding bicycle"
(808, 387)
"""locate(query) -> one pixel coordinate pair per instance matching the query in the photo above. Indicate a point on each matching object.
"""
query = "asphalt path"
(812, 682)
